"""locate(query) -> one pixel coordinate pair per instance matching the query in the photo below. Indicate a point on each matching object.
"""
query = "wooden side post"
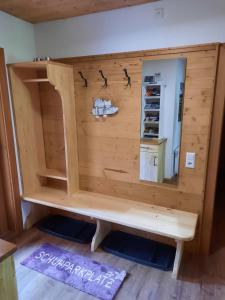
(61, 76)
(103, 228)
(214, 153)
(178, 258)
(10, 213)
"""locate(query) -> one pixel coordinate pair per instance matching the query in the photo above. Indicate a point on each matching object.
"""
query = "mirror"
(161, 117)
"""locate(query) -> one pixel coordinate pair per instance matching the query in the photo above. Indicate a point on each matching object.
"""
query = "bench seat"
(175, 224)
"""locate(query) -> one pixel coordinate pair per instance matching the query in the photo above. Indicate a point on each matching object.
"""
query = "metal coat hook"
(104, 78)
(128, 78)
(84, 79)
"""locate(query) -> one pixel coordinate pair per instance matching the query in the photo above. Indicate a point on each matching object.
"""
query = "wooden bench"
(175, 224)
(8, 287)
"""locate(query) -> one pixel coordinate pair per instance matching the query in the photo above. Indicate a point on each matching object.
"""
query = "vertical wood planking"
(53, 129)
(214, 153)
(109, 149)
(62, 78)
(28, 121)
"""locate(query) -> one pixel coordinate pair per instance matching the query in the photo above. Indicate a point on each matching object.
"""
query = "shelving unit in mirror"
(152, 106)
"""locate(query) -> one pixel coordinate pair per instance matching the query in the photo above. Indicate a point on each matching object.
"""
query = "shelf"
(50, 173)
(152, 84)
(32, 65)
(36, 80)
(152, 97)
(153, 140)
(135, 214)
(151, 134)
(151, 123)
(152, 109)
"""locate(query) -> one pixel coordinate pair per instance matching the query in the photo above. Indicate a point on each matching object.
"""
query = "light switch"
(190, 160)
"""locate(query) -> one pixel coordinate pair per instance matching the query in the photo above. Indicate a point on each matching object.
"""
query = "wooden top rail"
(172, 223)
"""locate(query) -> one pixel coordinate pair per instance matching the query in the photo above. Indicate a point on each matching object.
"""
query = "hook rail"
(84, 79)
(104, 78)
(128, 78)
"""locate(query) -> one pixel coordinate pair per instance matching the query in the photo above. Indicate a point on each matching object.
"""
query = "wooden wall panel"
(10, 210)
(53, 131)
(109, 149)
(214, 153)
(61, 77)
(26, 103)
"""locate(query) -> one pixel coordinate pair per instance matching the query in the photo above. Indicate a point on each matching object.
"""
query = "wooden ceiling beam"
(40, 11)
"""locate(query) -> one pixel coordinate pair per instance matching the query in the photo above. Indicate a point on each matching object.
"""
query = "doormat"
(140, 250)
(80, 272)
(68, 228)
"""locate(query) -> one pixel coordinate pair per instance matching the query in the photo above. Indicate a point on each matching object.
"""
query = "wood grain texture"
(114, 143)
(3, 212)
(214, 153)
(107, 147)
(29, 129)
(62, 78)
(45, 123)
(10, 211)
(102, 230)
(53, 127)
(52, 173)
(159, 220)
(139, 54)
(39, 11)
(178, 257)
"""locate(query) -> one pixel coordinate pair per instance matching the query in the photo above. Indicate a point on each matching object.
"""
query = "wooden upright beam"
(10, 196)
(214, 153)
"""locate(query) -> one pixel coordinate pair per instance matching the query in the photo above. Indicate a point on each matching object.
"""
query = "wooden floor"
(198, 281)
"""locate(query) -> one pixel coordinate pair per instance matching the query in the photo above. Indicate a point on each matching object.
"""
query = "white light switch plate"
(190, 160)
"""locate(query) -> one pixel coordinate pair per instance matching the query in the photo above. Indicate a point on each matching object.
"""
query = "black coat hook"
(128, 77)
(105, 79)
(84, 79)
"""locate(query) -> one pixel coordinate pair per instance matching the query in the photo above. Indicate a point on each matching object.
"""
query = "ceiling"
(35, 11)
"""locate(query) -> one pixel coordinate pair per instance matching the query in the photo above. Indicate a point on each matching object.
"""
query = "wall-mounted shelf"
(51, 173)
(151, 135)
(36, 80)
(149, 110)
(151, 123)
(151, 84)
(45, 123)
(153, 97)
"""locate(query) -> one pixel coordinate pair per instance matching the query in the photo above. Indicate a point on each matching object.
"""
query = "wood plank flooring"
(199, 280)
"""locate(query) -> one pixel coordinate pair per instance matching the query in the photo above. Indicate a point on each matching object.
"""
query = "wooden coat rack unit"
(38, 88)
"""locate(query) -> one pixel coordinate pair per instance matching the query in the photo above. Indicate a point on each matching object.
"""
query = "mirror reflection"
(161, 117)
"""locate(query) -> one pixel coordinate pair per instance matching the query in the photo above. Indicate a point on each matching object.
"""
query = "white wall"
(185, 22)
(17, 39)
